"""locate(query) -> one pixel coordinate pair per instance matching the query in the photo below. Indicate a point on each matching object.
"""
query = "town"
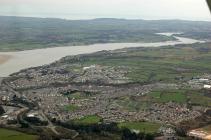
(67, 91)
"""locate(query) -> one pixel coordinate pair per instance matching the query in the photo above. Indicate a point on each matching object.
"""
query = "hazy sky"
(85, 9)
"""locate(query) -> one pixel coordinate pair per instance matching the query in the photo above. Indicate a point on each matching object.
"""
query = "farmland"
(14, 135)
(144, 127)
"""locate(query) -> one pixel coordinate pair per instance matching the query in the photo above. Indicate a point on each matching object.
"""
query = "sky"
(89, 9)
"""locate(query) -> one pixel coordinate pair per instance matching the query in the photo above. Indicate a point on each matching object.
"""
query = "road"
(50, 124)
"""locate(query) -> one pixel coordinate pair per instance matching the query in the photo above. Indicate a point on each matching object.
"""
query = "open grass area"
(195, 97)
(145, 127)
(76, 95)
(87, 120)
(70, 107)
(198, 98)
(177, 96)
(207, 129)
(14, 135)
(133, 104)
(180, 96)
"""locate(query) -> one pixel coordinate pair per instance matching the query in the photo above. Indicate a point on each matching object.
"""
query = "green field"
(207, 128)
(133, 104)
(145, 127)
(196, 97)
(87, 120)
(77, 95)
(70, 107)
(181, 96)
(14, 135)
(177, 96)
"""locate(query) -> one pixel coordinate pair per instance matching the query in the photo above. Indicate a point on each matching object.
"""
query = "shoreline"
(38, 57)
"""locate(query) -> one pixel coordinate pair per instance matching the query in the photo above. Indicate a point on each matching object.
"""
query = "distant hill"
(20, 33)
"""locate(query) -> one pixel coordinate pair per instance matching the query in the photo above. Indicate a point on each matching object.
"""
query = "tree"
(1, 110)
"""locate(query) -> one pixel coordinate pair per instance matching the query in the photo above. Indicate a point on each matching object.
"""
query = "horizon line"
(94, 18)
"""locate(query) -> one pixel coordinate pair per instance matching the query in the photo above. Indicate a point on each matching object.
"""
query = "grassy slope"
(18, 33)
(207, 128)
(181, 96)
(167, 96)
(70, 107)
(14, 135)
(146, 127)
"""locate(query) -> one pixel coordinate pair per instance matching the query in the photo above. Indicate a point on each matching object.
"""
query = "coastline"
(38, 57)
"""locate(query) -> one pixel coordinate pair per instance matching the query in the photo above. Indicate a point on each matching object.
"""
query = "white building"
(86, 68)
(207, 86)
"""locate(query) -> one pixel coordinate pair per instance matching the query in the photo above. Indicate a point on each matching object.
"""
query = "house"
(207, 86)
(203, 80)
(86, 68)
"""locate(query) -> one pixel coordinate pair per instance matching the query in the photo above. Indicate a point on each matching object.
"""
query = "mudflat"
(4, 58)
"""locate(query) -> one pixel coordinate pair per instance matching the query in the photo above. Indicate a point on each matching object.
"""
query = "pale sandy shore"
(4, 58)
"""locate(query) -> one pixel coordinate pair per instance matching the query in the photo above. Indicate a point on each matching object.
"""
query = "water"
(32, 58)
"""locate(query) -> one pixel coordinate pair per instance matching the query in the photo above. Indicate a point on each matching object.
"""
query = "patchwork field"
(70, 107)
(14, 135)
(144, 127)
(168, 96)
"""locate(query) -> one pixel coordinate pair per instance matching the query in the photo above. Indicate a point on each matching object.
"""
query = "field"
(199, 97)
(145, 127)
(168, 96)
(70, 107)
(133, 104)
(181, 96)
(88, 120)
(14, 135)
(207, 128)
(77, 95)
